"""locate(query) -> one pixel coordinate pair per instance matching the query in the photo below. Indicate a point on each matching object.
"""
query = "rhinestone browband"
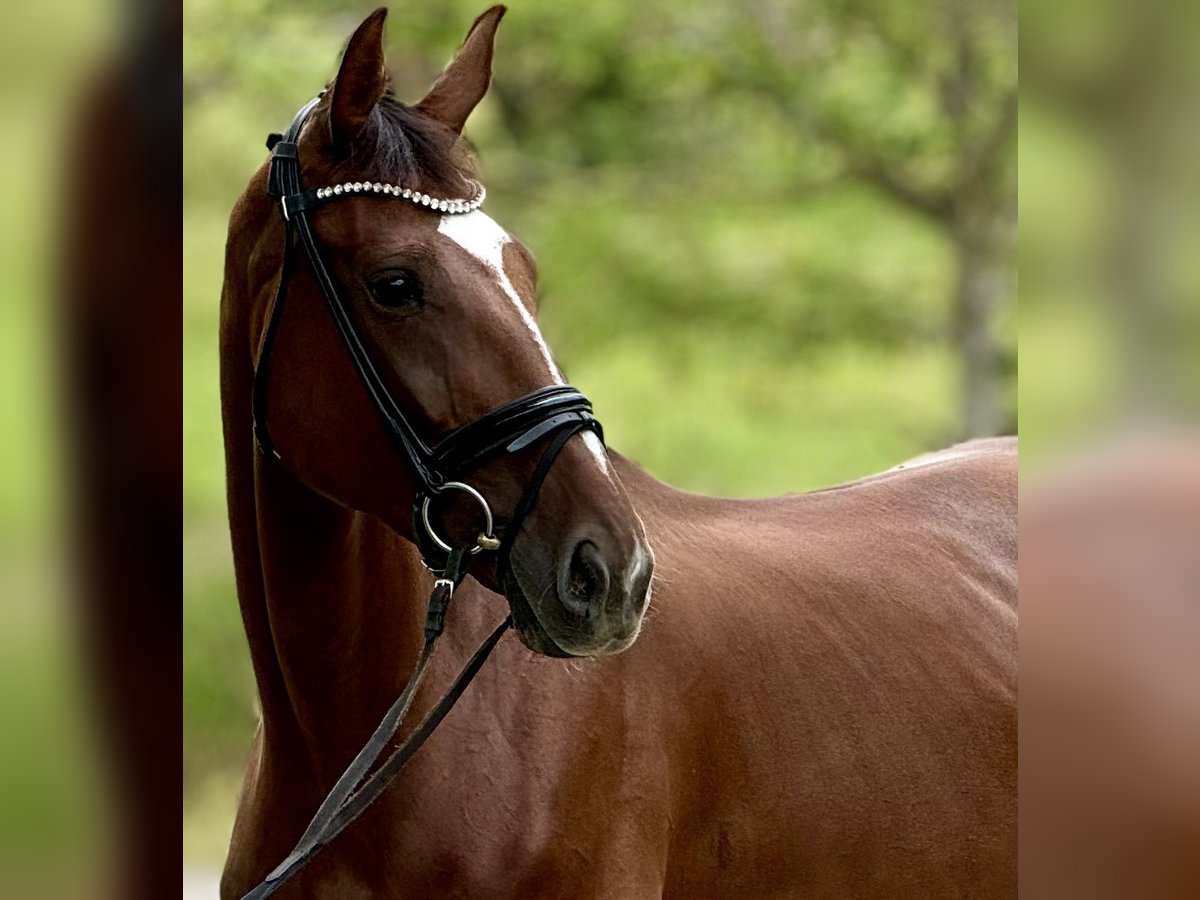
(394, 190)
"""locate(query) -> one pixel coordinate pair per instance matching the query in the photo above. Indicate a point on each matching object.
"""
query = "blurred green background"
(776, 241)
(50, 791)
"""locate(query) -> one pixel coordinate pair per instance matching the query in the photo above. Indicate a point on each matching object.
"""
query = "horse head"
(442, 301)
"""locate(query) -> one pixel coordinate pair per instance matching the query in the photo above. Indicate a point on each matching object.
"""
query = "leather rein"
(557, 412)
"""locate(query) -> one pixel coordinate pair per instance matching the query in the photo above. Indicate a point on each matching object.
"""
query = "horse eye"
(398, 292)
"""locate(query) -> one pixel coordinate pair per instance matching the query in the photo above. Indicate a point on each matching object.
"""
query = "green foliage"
(748, 316)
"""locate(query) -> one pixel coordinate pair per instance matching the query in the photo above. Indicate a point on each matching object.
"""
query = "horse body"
(822, 703)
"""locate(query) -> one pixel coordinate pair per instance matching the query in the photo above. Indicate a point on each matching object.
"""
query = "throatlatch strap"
(258, 394)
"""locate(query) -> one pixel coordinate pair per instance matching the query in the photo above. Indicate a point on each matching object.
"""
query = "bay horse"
(811, 695)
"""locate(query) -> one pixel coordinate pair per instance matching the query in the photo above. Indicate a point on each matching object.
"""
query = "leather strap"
(378, 782)
(343, 804)
(351, 795)
(557, 410)
(504, 429)
(529, 498)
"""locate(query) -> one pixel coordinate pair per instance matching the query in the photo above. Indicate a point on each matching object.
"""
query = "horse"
(809, 695)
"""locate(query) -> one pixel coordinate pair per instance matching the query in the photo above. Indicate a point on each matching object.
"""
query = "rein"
(557, 412)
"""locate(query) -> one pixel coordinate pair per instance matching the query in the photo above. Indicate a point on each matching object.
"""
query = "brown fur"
(822, 701)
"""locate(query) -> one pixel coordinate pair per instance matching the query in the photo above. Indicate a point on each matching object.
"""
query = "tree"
(919, 100)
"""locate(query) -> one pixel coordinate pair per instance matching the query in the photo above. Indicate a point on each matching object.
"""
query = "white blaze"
(592, 442)
(478, 234)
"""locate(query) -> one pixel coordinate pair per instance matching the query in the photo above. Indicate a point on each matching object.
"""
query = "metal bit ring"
(485, 541)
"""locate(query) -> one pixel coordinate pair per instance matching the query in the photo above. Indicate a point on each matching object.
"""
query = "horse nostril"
(584, 582)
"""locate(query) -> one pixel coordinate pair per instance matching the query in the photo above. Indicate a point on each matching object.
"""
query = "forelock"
(400, 145)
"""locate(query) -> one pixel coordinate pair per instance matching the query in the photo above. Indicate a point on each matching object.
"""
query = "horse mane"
(401, 145)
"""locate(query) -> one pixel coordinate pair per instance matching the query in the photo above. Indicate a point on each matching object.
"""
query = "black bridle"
(506, 429)
(554, 413)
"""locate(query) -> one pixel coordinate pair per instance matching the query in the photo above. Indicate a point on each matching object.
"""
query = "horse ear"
(464, 82)
(361, 80)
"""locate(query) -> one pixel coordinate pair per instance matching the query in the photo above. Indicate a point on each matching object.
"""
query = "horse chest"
(515, 827)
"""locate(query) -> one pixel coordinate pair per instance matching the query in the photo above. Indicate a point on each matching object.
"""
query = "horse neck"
(332, 601)
(338, 619)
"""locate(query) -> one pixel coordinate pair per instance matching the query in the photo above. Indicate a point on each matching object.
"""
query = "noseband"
(555, 413)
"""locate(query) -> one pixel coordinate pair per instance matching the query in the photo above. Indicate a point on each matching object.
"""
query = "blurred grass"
(735, 338)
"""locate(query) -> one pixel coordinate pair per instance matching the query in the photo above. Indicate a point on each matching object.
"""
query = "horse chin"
(526, 623)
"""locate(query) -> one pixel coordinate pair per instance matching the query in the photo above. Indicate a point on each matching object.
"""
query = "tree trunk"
(980, 290)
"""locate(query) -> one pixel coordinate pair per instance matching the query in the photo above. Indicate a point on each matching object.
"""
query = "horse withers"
(821, 701)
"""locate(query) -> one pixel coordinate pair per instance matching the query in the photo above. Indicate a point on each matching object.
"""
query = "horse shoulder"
(838, 670)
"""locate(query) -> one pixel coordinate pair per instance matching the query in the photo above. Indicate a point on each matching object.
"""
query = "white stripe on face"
(592, 442)
(480, 236)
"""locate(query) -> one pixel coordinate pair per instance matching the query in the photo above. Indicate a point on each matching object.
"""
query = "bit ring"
(485, 541)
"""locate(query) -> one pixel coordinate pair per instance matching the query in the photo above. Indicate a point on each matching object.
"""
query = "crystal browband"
(403, 193)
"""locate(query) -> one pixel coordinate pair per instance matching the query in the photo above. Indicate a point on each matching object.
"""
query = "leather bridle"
(507, 429)
(553, 413)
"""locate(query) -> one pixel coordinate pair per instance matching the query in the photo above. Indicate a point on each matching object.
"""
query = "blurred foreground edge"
(1110, 673)
(120, 327)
